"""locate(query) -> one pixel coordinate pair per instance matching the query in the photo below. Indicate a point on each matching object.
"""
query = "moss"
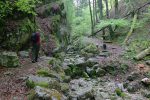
(31, 95)
(43, 72)
(90, 50)
(120, 93)
(56, 95)
(30, 84)
(42, 84)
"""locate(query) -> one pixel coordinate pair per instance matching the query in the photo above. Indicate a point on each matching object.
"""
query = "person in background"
(36, 41)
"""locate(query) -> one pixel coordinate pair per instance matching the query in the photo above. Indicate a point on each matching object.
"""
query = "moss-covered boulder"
(47, 94)
(46, 82)
(90, 50)
(9, 59)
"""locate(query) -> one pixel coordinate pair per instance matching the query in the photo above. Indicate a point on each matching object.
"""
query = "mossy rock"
(47, 94)
(64, 87)
(90, 50)
(9, 59)
(43, 82)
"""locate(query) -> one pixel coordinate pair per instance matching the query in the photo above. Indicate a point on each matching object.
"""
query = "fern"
(27, 6)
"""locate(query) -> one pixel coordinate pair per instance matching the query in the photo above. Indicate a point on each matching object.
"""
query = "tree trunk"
(94, 13)
(100, 5)
(131, 30)
(92, 26)
(116, 9)
(107, 9)
(143, 54)
(107, 15)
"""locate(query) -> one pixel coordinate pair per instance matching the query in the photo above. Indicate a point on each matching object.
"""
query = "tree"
(107, 15)
(100, 5)
(92, 25)
(107, 9)
(94, 12)
(116, 9)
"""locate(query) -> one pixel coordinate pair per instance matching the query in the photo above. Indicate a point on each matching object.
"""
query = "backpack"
(33, 37)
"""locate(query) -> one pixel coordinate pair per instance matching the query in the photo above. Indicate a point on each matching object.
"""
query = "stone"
(100, 72)
(64, 87)
(8, 73)
(148, 62)
(91, 48)
(146, 93)
(91, 62)
(24, 54)
(47, 94)
(146, 81)
(9, 59)
(104, 95)
(49, 82)
(104, 54)
(133, 76)
(133, 86)
(80, 89)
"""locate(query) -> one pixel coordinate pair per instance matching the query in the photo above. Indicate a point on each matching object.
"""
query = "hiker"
(35, 39)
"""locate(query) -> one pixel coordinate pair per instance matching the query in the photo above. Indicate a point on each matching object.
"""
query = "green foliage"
(82, 25)
(42, 84)
(6, 8)
(136, 46)
(43, 72)
(120, 93)
(30, 84)
(113, 22)
(31, 95)
(27, 6)
(80, 43)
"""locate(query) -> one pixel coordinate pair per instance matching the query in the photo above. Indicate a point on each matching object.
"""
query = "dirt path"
(12, 80)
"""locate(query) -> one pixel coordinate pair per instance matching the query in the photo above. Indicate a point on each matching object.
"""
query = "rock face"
(46, 94)
(148, 62)
(80, 90)
(43, 81)
(133, 76)
(9, 59)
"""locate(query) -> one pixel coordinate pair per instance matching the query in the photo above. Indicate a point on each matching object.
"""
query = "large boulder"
(9, 59)
(46, 94)
(90, 50)
(81, 90)
(43, 82)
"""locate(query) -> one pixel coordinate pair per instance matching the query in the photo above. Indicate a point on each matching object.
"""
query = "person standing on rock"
(36, 41)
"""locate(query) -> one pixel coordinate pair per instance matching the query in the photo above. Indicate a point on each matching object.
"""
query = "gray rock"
(9, 59)
(51, 82)
(146, 81)
(46, 94)
(148, 62)
(64, 87)
(8, 73)
(133, 76)
(133, 86)
(146, 93)
(80, 89)
(24, 54)
(100, 72)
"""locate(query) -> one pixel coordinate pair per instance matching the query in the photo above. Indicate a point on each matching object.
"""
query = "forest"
(74, 49)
